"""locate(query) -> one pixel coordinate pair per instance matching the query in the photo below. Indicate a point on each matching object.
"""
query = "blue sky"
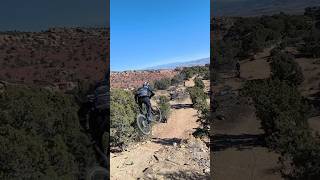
(146, 33)
(37, 15)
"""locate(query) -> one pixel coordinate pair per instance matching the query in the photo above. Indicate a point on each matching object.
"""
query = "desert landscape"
(44, 79)
(57, 57)
(248, 141)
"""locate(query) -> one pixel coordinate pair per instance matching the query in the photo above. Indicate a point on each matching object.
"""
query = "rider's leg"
(147, 102)
(140, 102)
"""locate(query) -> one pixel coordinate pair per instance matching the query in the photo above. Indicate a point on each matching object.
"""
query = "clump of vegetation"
(284, 113)
(123, 115)
(41, 134)
(284, 68)
(248, 36)
(199, 83)
(162, 84)
(177, 79)
(164, 107)
(198, 96)
(189, 72)
(273, 99)
(199, 101)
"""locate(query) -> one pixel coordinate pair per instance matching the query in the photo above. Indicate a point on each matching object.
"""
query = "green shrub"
(273, 98)
(162, 84)
(206, 75)
(199, 83)
(284, 68)
(40, 136)
(189, 72)
(123, 115)
(284, 113)
(164, 106)
(198, 98)
(177, 79)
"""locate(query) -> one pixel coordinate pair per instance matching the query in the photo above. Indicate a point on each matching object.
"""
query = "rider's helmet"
(146, 83)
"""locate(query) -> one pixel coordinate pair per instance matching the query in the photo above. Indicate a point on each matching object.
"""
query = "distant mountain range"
(199, 62)
(259, 7)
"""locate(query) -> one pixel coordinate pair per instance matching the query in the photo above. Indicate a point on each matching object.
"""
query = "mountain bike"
(142, 120)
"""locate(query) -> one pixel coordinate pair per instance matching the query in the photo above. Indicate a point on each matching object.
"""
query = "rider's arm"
(152, 94)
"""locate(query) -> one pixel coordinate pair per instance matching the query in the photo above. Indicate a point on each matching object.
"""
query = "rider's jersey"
(144, 91)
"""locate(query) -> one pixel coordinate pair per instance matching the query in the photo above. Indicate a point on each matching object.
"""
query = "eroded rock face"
(134, 79)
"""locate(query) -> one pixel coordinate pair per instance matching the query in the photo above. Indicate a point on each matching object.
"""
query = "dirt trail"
(167, 154)
(238, 152)
(180, 124)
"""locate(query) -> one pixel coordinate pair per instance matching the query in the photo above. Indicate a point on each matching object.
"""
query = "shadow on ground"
(181, 106)
(183, 175)
(240, 142)
(167, 141)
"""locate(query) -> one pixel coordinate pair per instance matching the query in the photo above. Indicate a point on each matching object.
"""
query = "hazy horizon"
(162, 64)
(38, 15)
(259, 7)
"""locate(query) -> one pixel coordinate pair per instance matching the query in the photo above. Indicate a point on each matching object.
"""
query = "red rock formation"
(133, 79)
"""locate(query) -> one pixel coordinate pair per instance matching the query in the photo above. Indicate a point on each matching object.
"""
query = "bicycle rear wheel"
(143, 124)
(156, 113)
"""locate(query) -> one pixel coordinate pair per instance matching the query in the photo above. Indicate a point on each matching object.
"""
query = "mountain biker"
(143, 96)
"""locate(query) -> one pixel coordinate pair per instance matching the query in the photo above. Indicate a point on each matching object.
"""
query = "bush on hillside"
(274, 98)
(162, 84)
(206, 75)
(198, 83)
(284, 113)
(189, 72)
(164, 107)
(40, 136)
(123, 115)
(284, 68)
(177, 79)
(198, 98)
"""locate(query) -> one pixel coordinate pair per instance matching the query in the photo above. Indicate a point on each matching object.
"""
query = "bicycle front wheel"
(143, 124)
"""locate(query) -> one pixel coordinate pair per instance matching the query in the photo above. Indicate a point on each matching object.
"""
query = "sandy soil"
(180, 124)
(258, 68)
(311, 73)
(238, 154)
